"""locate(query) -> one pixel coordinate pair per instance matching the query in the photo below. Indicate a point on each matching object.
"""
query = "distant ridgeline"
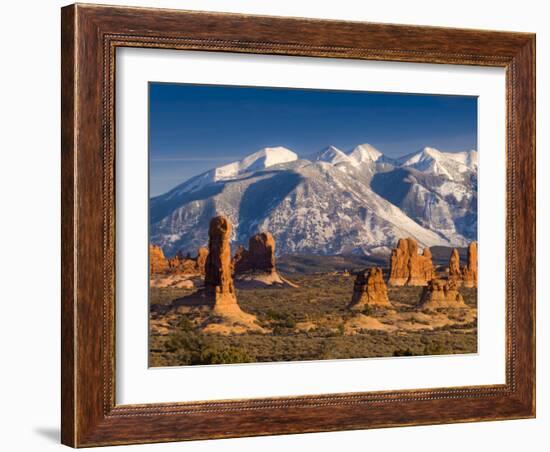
(356, 203)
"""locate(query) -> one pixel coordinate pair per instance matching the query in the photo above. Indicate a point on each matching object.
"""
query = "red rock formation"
(369, 290)
(157, 261)
(259, 257)
(440, 293)
(420, 267)
(407, 267)
(399, 264)
(182, 265)
(255, 267)
(237, 261)
(201, 259)
(179, 264)
(454, 267)
(218, 296)
(427, 267)
(469, 272)
(218, 280)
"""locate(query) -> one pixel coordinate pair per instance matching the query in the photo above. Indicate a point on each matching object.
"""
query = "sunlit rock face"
(407, 267)
(370, 290)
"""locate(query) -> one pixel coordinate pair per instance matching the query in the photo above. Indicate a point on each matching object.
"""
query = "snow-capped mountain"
(333, 202)
(264, 158)
(333, 155)
(366, 153)
(432, 161)
(363, 153)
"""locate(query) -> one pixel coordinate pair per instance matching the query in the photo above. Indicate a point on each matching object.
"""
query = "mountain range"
(330, 202)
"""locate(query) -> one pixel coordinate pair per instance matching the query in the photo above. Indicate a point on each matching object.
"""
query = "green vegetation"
(188, 346)
(307, 323)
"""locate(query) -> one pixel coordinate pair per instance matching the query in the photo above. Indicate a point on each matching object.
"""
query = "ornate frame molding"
(90, 37)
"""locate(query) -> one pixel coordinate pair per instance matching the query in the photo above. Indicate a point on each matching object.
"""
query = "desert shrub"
(367, 310)
(189, 346)
(282, 322)
(186, 346)
(436, 348)
(325, 307)
(406, 352)
(229, 355)
(466, 326)
(272, 314)
(285, 327)
(185, 324)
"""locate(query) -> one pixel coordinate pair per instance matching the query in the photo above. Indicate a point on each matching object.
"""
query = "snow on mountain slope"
(262, 159)
(433, 161)
(333, 203)
(333, 155)
(365, 153)
(311, 208)
(335, 212)
(466, 158)
(432, 200)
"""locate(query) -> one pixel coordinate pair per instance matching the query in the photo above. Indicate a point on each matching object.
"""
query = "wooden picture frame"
(90, 36)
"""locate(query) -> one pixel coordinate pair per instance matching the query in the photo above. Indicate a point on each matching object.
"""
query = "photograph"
(275, 226)
(292, 224)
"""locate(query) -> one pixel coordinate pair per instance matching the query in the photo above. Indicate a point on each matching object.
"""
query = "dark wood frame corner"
(90, 36)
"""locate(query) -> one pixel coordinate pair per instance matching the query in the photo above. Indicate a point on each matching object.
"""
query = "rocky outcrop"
(255, 267)
(216, 304)
(407, 267)
(260, 256)
(454, 267)
(201, 259)
(240, 256)
(421, 268)
(157, 261)
(369, 290)
(218, 279)
(182, 265)
(440, 293)
(219, 291)
(186, 265)
(469, 272)
(399, 263)
(177, 265)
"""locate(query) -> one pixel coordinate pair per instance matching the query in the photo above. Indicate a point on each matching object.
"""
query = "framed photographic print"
(278, 225)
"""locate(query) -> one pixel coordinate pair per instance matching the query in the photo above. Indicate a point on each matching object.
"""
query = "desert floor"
(311, 322)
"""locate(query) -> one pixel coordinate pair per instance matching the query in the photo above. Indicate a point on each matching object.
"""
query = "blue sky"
(193, 128)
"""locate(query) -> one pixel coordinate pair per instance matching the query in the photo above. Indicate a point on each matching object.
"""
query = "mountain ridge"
(356, 201)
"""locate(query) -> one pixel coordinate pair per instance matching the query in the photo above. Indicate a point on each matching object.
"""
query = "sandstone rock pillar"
(260, 256)
(369, 290)
(399, 262)
(201, 259)
(157, 261)
(441, 294)
(469, 272)
(454, 267)
(218, 280)
(407, 267)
